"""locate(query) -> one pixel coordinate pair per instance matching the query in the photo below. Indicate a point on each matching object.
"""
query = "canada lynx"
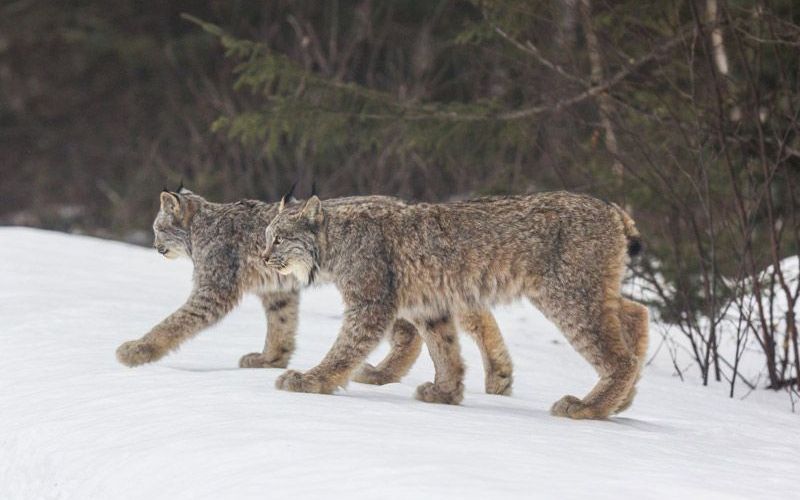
(224, 241)
(564, 252)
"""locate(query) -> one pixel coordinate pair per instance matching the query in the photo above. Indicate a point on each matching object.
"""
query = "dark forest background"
(685, 112)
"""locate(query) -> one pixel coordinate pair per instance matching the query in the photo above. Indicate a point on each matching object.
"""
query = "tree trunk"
(603, 99)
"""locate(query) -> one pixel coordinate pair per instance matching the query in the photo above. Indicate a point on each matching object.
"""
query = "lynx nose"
(161, 250)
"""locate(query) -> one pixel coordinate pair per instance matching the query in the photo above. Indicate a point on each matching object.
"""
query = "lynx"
(224, 241)
(426, 262)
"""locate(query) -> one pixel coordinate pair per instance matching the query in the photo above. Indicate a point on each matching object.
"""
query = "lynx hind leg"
(482, 327)
(634, 319)
(442, 340)
(406, 345)
(595, 331)
(281, 309)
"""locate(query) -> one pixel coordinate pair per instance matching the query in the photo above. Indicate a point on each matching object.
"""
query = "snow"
(733, 337)
(76, 424)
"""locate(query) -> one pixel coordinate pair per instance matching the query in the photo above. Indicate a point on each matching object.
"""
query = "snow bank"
(76, 424)
(733, 336)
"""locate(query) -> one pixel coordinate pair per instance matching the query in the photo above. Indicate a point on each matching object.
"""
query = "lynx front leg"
(405, 347)
(481, 326)
(281, 309)
(207, 305)
(364, 326)
(442, 340)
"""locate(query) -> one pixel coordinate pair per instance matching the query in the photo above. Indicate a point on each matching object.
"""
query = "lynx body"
(224, 242)
(426, 262)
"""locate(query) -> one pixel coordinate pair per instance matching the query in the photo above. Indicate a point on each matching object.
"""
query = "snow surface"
(75, 424)
(733, 338)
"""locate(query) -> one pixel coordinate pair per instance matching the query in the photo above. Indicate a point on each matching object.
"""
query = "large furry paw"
(295, 381)
(138, 352)
(431, 393)
(572, 407)
(499, 383)
(368, 374)
(260, 360)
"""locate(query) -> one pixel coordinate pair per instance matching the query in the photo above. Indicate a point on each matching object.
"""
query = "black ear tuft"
(286, 198)
(180, 188)
(290, 193)
(313, 188)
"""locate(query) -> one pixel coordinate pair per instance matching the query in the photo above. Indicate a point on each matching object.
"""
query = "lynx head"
(291, 241)
(172, 226)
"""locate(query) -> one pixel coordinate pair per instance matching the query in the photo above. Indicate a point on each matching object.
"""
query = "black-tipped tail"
(635, 246)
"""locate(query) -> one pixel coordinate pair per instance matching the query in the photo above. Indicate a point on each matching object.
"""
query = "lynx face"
(172, 235)
(291, 246)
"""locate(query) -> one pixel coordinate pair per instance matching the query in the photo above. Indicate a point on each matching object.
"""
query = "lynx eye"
(277, 241)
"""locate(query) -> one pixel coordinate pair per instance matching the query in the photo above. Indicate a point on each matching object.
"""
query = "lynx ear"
(170, 202)
(313, 210)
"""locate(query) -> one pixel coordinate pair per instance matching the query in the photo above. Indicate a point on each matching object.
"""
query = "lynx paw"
(368, 374)
(499, 383)
(295, 381)
(572, 407)
(260, 360)
(431, 393)
(138, 352)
